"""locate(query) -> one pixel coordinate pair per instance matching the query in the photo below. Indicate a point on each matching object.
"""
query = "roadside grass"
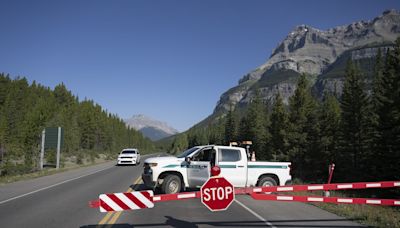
(370, 215)
(376, 216)
(67, 165)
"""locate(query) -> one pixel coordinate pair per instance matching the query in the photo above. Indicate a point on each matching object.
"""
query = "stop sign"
(217, 194)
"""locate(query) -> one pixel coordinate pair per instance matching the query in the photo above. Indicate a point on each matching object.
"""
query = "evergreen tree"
(179, 144)
(268, 136)
(387, 109)
(25, 110)
(278, 130)
(231, 127)
(255, 121)
(303, 128)
(217, 133)
(356, 123)
(197, 137)
(330, 126)
(378, 86)
(244, 129)
(377, 95)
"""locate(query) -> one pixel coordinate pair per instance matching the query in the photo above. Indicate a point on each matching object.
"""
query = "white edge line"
(62, 182)
(255, 214)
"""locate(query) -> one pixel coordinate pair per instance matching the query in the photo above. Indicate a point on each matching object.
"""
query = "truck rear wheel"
(266, 181)
(171, 184)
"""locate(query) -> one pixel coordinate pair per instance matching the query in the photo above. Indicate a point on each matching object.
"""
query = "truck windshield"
(187, 152)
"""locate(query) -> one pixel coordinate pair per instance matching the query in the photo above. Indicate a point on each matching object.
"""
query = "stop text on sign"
(217, 193)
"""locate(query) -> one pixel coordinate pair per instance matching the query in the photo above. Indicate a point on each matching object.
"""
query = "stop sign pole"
(217, 194)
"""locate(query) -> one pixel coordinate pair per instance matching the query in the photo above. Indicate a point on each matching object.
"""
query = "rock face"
(321, 54)
(152, 129)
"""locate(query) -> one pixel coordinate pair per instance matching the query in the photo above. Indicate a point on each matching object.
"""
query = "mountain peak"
(391, 12)
(309, 50)
(312, 51)
(151, 128)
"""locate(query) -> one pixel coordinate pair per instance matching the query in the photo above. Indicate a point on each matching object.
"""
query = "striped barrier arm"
(126, 201)
(319, 199)
(325, 187)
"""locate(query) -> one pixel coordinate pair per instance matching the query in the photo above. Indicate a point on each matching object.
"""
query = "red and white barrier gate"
(126, 201)
(336, 200)
(255, 193)
(145, 199)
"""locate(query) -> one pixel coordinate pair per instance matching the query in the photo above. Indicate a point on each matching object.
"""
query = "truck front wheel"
(266, 181)
(171, 184)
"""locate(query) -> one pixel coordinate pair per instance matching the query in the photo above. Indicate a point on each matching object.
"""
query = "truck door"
(198, 170)
(233, 166)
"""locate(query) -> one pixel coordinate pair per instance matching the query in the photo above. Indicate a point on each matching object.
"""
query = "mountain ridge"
(309, 50)
(149, 127)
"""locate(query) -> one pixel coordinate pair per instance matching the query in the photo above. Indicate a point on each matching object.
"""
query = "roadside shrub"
(79, 158)
(8, 168)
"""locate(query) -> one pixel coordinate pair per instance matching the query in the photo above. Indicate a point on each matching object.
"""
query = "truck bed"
(280, 169)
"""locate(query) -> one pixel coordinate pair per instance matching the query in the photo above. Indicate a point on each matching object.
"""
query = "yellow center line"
(117, 214)
(114, 218)
(105, 219)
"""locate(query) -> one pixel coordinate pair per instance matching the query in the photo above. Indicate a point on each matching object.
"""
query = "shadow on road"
(138, 187)
(173, 222)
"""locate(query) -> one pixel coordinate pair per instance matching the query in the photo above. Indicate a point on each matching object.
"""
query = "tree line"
(358, 130)
(26, 109)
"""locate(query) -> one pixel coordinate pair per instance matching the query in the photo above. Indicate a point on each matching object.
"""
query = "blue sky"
(170, 60)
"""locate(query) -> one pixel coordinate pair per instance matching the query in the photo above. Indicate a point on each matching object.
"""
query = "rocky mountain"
(152, 129)
(320, 54)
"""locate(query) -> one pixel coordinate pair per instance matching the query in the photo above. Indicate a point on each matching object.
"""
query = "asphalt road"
(61, 200)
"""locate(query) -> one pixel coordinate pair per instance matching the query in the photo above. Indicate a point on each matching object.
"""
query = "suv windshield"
(187, 152)
(128, 152)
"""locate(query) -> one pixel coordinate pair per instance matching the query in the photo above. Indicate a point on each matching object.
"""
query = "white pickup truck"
(191, 169)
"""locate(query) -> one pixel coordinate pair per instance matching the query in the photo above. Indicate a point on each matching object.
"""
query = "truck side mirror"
(187, 159)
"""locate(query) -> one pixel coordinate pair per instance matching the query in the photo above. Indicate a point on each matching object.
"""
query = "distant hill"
(151, 128)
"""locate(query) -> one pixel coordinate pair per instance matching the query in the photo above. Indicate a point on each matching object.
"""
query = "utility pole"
(58, 147)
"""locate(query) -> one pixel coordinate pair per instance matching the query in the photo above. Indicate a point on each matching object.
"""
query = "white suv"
(130, 156)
